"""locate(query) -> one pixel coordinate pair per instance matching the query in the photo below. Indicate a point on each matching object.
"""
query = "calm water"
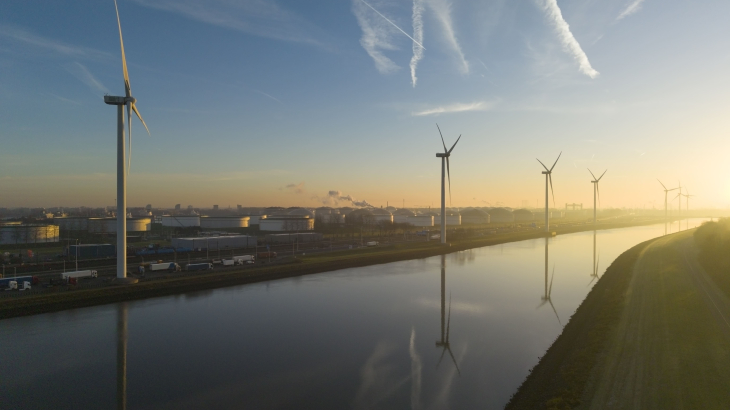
(459, 331)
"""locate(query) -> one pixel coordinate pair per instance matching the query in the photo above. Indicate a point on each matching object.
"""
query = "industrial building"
(72, 223)
(16, 233)
(216, 242)
(224, 222)
(402, 215)
(381, 215)
(474, 216)
(286, 223)
(279, 238)
(180, 221)
(109, 225)
(452, 218)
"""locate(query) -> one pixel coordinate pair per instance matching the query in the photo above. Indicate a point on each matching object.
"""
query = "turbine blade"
(593, 277)
(543, 165)
(556, 312)
(448, 172)
(442, 138)
(604, 173)
(550, 177)
(127, 87)
(598, 191)
(550, 289)
(134, 108)
(665, 188)
(452, 147)
(443, 352)
(556, 161)
(453, 359)
(589, 170)
(597, 263)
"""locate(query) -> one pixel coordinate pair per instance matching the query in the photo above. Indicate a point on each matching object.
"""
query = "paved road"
(672, 346)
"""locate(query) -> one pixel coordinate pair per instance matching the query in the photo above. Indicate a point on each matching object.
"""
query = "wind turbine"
(444, 342)
(596, 191)
(548, 177)
(666, 191)
(548, 289)
(122, 168)
(444, 170)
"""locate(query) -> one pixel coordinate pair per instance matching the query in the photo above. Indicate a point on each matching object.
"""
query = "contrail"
(631, 9)
(394, 25)
(570, 44)
(418, 33)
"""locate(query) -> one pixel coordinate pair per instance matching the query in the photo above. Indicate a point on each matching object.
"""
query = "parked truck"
(13, 285)
(79, 274)
(169, 266)
(4, 283)
(229, 262)
(199, 266)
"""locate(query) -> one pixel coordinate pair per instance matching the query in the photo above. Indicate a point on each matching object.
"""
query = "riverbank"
(652, 333)
(302, 265)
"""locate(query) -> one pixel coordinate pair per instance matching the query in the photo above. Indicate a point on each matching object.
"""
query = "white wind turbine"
(548, 178)
(666, 192)
(596, 191)
(122, 168)
(444, 170)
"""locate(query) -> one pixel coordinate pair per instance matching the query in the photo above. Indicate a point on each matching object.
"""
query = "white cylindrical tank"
(180, 221)
(420, 220)
(224, 222)
(286, 224)
(72, 223)
(453, 219)
(17, 234)
(107, 225)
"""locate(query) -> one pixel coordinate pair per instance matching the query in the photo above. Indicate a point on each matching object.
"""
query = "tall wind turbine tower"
(596, 192)
(122, 168)
(548, 178)
(666, 192)
(445, 170)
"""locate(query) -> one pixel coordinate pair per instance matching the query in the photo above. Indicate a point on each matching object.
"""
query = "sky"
(284, 103)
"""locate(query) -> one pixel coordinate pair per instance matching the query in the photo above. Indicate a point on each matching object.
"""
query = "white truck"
(240, 260)
(168, 266)
(79, 274)
(372, 243)
(229, 262)
(13, 285)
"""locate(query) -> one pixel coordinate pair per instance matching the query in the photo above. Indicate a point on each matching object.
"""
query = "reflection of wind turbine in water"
(594, 274)
(548, 289)
(122, 356)
(444, 342)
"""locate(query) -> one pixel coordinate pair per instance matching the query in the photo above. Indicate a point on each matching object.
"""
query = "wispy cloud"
(295, 188)
(258, 17)
(570, 44)
(83, 74)
(458, 107)
(267, 95)
(376, 36)
(418, 35)
(442, 9)
(630, 9)
(29, 38)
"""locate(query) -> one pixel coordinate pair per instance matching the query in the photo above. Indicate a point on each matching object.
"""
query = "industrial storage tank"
(286, 223)
(107, 225)
(255, 219)
(381, 215)
(474, 216)
(452, 218)
(216, 242)
(361, 217)
(421, 220)
(72, 223)
(224, 222)
(17, 233)
(523, 215)
(501, 215)
(326, 214)
(180, 221)
(297, 211)
(402, 215)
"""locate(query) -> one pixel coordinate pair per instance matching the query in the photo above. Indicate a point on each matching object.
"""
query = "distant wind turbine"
(131, 104)
(666, 192)
(444, 170)
(687, 196)
(548, 177)
(596, 191)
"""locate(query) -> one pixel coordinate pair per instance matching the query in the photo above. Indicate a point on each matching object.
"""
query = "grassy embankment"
(713, 243)
(647, 336)
(309, 264)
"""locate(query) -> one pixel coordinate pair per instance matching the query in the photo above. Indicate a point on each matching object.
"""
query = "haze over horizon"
(279, 103)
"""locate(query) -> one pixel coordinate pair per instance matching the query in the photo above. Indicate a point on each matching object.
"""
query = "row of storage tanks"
(17, 233)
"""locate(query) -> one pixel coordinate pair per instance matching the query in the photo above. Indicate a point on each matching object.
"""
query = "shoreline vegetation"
(303, 265)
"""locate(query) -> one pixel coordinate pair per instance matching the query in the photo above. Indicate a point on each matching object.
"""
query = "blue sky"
(279, 102)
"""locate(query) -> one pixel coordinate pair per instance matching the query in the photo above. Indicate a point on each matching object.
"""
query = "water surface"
(460, 331)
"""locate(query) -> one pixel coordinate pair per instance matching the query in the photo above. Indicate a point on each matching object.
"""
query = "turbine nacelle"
(442, 155)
